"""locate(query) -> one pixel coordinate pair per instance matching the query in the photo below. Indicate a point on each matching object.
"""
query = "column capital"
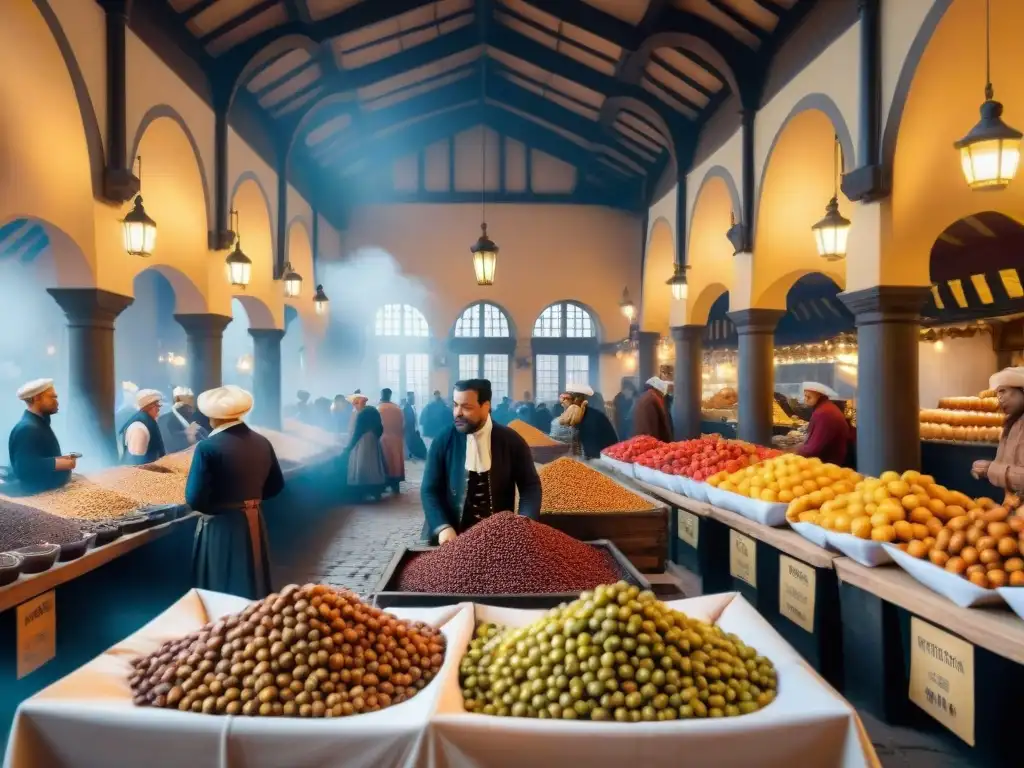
(91, 307)
(886, 303)
(756, 320)
(203, 324)
(687, 332)
(266, 334)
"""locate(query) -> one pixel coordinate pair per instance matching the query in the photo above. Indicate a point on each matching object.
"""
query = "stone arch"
(188, 298)
(659, 263)
(723, 173)
(66, 264)
(776, 293)
(257, 312)
(299, 253)
(255, 228)
(709, 252)
(166, 111)
(703, 301)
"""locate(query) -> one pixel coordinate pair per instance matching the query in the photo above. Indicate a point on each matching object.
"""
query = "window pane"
(469, 366)
(389, 320)
(549, 324)
(468, 326)
(495, 322)
(577, 369)
(417, 377)
(496, 370)
(390, 372)
(414, 323)
(546, 370)
(578, 322)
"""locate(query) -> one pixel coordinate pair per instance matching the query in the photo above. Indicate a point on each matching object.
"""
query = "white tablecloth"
(87, 719)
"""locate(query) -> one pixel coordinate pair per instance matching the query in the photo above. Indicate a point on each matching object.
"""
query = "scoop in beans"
(570, 486)
(508, 554)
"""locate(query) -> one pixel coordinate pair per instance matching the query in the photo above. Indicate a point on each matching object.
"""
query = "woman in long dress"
(363, 461)
(392, 443)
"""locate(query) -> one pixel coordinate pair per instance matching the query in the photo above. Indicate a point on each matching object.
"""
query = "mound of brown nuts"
(310, 651)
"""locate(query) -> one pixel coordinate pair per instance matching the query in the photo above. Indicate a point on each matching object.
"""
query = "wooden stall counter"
(914, 659)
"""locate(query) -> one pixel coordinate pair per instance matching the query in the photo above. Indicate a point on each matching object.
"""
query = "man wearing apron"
(232, 472)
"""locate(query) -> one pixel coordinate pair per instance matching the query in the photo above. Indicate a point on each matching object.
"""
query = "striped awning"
(985, 294)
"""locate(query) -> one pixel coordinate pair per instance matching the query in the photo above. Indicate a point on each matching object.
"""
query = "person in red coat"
(828, 433)
(650, 414)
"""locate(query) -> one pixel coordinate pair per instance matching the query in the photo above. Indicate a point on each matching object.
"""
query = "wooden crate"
(640, 536)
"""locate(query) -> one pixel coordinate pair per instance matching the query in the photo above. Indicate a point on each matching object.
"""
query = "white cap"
(31, 389)
(821, 389)
(228, 402)
(659, 384)
(129, 386)
(1008, 377)
(182, 392)
(146, 397)
(577, 388)
(356, 396)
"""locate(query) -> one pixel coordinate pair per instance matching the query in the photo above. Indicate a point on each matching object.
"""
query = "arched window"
(565, 349)
(403, 351)
(482, 345)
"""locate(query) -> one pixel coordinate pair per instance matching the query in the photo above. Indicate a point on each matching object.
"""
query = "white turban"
(31, 389)
(228, 403)
(1008, 377)
(129, 386)
(182, 392)
(821, 389)
(659, 384)
(357, 397)
(146, 397)
(579, 389)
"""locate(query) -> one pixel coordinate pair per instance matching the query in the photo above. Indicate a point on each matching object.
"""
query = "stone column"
(689, 382)
(205, 334)
(756, 367)
(888, 417)
(90, 403)
(266, 377)
(647, 355)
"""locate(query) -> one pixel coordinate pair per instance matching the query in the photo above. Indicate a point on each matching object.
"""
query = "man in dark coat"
(503, 414)
(594, 427)
(475, 468)
(414, 444)
(436, 416)
(623, 404)
(650, 416)
(36, 460)
(140, 438)
(178, 426)
(828, 432)
(542, 418)
(232, 472)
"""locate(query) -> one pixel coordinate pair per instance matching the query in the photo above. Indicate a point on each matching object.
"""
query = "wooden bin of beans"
(543, 448)
(587, 504)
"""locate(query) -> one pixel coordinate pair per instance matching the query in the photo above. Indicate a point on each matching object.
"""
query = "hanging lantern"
(139, 229)
(292, 281)
(833, 231)
(990, 152)
(680, 290)
(320, 300)
(627, 307)
(239, 266)
(485, 258)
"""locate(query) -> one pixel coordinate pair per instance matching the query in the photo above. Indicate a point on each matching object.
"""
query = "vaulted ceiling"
(617, 88)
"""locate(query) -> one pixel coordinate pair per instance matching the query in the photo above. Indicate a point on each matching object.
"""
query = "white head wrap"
(182, 392)
(357, 396)
(576, 388)
(1008, 377)
(130, 387)
(31, 389)
(228, 402)
(146, 397)
(659, 384)
(821, 389)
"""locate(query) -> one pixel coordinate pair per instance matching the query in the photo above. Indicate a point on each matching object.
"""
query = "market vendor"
(1007, 471)
(178, 427)
(36, 460)
(232, 472)
(828, 432)
(650, 413)
(595, 430)
(362, 463)
(474, 468)
(140, 438)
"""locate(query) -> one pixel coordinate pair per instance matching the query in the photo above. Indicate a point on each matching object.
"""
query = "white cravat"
(478, 449)
(222, 427)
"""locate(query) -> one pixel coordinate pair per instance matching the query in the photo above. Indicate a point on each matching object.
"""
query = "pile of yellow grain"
(81, 499)
(570, 486)
(144, 486)
(533, 436)
(176, 462)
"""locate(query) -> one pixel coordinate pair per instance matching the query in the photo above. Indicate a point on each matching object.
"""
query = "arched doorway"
(401, 339)
(565, 349)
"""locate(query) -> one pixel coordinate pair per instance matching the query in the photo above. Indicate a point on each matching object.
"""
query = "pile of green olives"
(618, 654)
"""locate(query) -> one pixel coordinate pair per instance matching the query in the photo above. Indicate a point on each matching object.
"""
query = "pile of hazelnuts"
(310, 651)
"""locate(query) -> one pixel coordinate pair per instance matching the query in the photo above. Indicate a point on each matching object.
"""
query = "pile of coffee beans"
(83, 499)
(310, 651)
(22, 526)
(508, 554)
(614, 654)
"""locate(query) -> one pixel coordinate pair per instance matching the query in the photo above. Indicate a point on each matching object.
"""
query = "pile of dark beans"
(508, 554)
(22, 526)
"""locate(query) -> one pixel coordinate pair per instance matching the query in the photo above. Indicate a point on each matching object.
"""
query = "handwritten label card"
(942, 677)
(797, 581)
(37, 633)
(743, 557)
(689, 527)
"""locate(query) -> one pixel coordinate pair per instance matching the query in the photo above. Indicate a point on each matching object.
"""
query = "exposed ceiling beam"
(237, 21)
(738, 18)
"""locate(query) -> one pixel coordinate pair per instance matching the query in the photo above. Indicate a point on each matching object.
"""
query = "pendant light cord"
(835, 167)
(989, 93)
(483, 139)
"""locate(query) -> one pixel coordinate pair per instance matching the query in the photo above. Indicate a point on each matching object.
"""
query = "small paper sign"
(942, 677)
(689, 528)
(797, 583)
(743, 557)
(37, 633)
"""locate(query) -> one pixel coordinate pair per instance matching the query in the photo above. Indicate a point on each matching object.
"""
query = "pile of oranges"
(790, 479)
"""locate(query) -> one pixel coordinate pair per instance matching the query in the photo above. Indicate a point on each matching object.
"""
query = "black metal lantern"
(320, 300)
(832, 233)
(292, 281)
(680, 290)
(626, 306)
(485, 258)
(239, 266)
(139, 228)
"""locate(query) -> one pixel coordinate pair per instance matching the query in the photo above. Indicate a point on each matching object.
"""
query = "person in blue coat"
(140, 437)
(233, 471)
(36, 460)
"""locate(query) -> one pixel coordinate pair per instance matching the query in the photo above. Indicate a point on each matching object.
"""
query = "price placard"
(37, 632)
(689, 528)
(743, 557)
(942, 677)
(797, 582)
